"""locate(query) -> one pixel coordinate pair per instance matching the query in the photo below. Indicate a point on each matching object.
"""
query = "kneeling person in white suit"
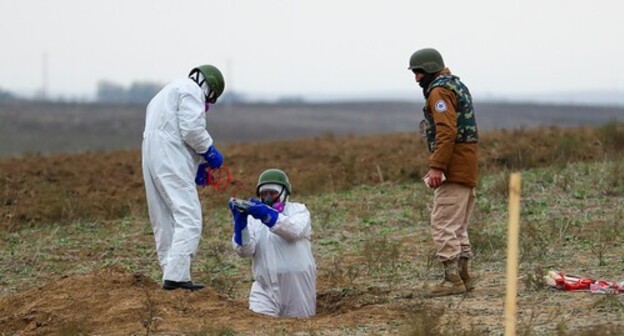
(275, 233)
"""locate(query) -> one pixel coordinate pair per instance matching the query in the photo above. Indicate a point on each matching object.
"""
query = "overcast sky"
(311, 47)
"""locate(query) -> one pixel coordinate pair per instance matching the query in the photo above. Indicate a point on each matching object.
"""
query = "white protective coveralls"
(175, 133)
(283, 265)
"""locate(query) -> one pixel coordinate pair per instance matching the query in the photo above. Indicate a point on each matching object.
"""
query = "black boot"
(189, 285)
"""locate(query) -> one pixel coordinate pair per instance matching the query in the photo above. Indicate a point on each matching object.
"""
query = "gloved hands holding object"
(201, 177)
(263, 212)
(213, 157)
(239, 204)
(240, 224)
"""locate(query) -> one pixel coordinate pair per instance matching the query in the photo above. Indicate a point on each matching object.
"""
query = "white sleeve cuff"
(245, 236)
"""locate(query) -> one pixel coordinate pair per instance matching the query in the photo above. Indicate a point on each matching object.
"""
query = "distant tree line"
(143, 92)
(6, 95)
(138, 92)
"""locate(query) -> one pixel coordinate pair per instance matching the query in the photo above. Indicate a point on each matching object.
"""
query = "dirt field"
(109, 185)
(113, 301)
(77, 253)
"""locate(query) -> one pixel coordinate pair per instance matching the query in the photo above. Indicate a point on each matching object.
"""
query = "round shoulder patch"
(440, 106)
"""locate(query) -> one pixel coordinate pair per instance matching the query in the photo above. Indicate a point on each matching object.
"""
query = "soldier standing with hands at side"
(451, 131)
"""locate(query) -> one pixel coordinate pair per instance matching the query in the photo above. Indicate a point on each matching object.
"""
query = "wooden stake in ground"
(512, 254)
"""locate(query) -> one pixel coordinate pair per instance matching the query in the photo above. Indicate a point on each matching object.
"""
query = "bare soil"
(37, 191)
(113, 301)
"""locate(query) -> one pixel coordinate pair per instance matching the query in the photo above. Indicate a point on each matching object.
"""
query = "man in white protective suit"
(276, 234)
(174, 142)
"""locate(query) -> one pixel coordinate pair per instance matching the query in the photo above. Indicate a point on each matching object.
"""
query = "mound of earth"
(115, 301)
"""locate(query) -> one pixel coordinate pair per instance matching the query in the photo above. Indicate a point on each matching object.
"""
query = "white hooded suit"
(283, 265)
(175, 134)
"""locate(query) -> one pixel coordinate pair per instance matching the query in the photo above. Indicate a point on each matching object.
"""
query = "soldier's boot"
(463, 264)
(452, 283)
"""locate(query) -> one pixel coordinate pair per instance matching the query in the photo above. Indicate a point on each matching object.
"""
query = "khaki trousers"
(452, 208)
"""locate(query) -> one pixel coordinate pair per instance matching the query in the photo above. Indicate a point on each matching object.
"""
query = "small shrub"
(568, 148)
(614, 179)
(529, 323)
(488, 241)
(424, 321)
(499, 189)
(611, 136)
(381, 256)
(609, 303)
(602, 330)
(534, 279)
(534, 242)
(150, 319)
(342, 273)
(219, 272)
(602, 237)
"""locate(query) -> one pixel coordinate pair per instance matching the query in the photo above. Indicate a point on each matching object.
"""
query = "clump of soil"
(115, 301)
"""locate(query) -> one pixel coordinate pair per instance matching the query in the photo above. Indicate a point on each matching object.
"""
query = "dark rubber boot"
(188, 285)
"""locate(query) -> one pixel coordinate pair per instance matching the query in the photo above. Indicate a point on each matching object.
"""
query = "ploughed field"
(77, 252)
(45, 127)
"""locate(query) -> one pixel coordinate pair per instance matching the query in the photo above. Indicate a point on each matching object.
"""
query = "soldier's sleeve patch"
(440, 106)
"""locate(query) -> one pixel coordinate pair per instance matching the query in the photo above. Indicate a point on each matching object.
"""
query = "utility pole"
(44, 86)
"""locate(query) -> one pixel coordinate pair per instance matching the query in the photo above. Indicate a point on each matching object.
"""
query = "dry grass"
(371, 243)
(100, 186)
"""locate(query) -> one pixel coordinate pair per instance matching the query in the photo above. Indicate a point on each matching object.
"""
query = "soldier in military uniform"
(451, 131)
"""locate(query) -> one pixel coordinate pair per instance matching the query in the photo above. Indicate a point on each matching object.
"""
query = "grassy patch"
(373, 250)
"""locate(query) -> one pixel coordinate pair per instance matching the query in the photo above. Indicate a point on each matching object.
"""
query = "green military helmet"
(273, 176)
(214, 78)
(428, 60)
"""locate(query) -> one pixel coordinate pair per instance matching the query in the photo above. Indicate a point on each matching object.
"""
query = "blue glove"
(240, 223)
(263, 212)
(213, 157)
(201, 177)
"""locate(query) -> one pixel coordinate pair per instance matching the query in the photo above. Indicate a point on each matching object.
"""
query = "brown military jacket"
(459, 161)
